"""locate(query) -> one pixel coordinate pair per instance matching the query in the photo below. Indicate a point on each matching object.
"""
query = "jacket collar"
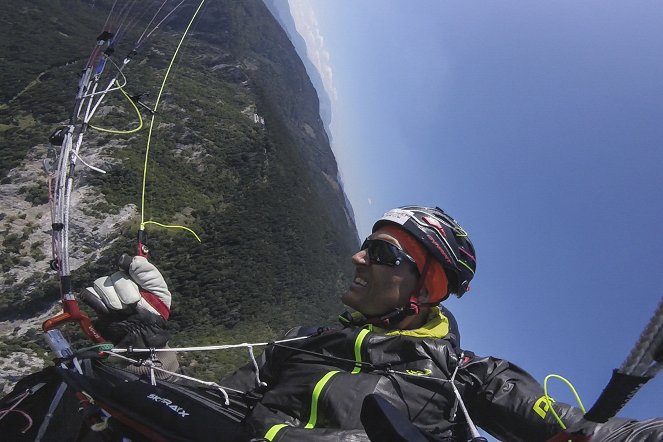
(437, 326)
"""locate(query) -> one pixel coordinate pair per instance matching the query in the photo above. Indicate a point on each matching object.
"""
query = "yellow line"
(121, 132)
(156, 105)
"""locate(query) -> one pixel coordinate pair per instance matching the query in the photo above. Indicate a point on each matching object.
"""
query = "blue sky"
(539, 126)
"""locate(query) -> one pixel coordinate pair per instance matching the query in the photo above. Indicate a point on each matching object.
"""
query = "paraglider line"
(156, 105)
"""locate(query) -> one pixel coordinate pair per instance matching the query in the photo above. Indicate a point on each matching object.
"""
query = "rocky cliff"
(239, 154)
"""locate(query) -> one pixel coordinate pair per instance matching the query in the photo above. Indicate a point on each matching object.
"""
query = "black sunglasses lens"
(381, 252)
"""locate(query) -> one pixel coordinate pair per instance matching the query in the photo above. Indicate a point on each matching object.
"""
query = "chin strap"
(396, 315)
(385, 321)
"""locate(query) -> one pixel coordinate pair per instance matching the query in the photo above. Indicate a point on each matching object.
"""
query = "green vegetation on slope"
(275, 238)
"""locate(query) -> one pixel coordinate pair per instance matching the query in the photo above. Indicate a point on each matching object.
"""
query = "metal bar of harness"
(51, 409)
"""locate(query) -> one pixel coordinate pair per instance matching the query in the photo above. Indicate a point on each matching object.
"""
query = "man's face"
(377, 289)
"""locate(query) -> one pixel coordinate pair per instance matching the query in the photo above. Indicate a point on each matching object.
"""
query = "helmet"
(444, 239)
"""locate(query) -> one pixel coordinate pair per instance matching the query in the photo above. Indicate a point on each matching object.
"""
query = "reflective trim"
(320, 385)
(360, 339)
(315, 396)
(271, 433)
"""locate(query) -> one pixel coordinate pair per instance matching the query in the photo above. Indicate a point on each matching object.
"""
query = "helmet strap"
(422, 279)
(393, 317)
(412, 307)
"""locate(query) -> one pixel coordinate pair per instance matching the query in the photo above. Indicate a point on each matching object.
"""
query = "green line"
(549, 400)
(156, 105)
(315, 396)
(120, 132)
(360, 339)
(166, 226)
(271, 433)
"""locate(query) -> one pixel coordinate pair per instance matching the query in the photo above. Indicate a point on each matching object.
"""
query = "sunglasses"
(385, 253)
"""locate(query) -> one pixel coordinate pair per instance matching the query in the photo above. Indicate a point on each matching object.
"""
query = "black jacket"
(315, 388)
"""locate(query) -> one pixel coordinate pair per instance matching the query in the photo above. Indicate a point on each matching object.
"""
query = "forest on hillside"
(263, 197)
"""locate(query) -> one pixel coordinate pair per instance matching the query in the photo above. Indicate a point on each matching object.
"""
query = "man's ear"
(423, 296)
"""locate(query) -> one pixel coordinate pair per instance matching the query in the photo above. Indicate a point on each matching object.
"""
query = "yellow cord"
(173, 227)
(140, 118)
(549, 399)
(149, 133)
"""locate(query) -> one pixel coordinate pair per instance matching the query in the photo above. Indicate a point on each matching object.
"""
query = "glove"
(140, 287)
(132, 305)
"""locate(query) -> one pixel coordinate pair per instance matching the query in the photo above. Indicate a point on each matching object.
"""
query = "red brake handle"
(72, 313)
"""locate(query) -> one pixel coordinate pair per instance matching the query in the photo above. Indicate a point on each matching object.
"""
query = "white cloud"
(307, 26)
(370, 202)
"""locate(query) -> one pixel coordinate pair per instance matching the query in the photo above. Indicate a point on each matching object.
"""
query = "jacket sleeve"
(509, 403)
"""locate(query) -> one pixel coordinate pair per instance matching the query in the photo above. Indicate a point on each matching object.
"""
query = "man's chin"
(350, 299)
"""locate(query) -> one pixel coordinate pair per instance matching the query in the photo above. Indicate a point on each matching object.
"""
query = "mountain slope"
(239, 154)
(281, 11)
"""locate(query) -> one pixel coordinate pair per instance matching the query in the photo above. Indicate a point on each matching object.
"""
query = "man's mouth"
(360, 281)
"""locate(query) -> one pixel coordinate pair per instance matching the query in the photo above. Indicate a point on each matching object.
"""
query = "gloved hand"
(132, 305)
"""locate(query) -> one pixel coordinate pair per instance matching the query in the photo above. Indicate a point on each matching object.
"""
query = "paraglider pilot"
(397, 345)
(395, 370)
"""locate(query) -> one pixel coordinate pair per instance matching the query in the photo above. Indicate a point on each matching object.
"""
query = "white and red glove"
(133, 305)
(141, 287)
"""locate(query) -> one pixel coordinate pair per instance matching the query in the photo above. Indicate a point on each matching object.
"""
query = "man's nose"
(360, 258)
